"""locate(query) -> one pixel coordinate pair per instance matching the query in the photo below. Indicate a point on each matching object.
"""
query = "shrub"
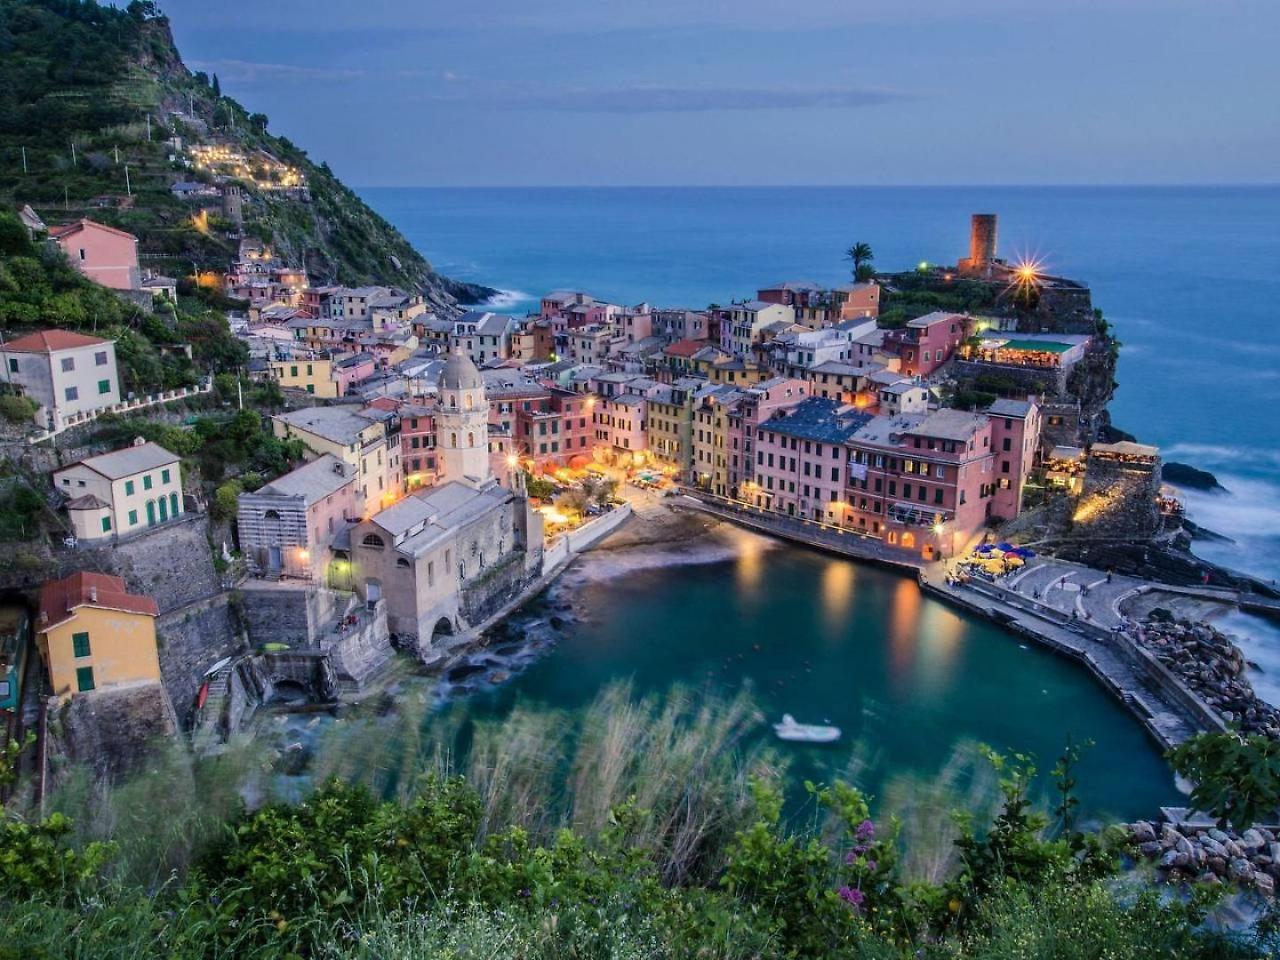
(17, 409)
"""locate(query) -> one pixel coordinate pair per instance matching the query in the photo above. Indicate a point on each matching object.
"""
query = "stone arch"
(471, 440)
(374, 541)
(403, 563)
(271, 515)
(443, 628)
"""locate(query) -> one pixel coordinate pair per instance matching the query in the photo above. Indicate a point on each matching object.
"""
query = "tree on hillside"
(217, 86)
(861, 256)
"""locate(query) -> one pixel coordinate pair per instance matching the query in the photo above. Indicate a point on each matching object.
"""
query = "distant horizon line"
(823, 186)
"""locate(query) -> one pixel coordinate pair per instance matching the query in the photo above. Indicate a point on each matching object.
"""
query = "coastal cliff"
(97, 113)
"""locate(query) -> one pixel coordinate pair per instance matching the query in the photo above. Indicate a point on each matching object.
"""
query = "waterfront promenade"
(1052, 608)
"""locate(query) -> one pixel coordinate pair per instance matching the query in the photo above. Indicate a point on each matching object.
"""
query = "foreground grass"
(638, 828)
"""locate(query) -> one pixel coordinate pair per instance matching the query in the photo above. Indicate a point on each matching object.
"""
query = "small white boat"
(788, 729)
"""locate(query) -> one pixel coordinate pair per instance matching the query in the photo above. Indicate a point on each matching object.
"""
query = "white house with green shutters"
(122, 492)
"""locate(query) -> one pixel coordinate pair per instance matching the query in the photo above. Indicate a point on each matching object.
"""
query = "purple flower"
(871, 865)
(866, 830)
(851, 858)
(851, 896)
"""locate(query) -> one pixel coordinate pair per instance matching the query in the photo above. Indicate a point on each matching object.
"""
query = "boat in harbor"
(790, 729)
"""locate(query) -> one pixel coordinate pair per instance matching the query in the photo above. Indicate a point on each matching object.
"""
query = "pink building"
(922, 482)
(418, 445)
(756, 405)
(927, 342)
(350, 370)
(619, 424)
(103, 254)
(801, 460)
(1015, 437)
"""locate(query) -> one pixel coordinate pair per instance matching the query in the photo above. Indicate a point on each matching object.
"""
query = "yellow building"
(362, 438)
(313, 376)
(122, 492)
(93, 633)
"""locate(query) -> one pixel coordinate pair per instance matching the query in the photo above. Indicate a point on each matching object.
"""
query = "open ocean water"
(1188, 276)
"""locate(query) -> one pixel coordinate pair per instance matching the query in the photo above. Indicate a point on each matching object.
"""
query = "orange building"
(92, 633)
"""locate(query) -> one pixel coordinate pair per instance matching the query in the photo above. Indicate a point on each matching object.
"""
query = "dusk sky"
(513, 92)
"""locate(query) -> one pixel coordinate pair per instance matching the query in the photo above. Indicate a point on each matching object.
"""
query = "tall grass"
(682, 760)
(160, 817)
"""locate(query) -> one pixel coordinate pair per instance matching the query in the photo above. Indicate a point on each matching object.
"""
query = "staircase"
(206, 732)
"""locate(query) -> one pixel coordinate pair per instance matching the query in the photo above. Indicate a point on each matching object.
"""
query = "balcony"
(917, 514)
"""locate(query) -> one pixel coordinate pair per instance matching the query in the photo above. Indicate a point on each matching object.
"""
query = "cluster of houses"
(419, 429)
(796, 401)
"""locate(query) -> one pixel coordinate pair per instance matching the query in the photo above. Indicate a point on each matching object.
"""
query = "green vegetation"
(861, 255)
(912, 295)
(1237, 778)
(214, 444)
(40, 289)
(110, 82)
(638, 829)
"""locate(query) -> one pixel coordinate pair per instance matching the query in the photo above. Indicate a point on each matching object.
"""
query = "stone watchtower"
(233, 203)
(462, 422)
(982, 246)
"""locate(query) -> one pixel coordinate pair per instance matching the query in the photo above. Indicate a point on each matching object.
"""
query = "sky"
(755, 92)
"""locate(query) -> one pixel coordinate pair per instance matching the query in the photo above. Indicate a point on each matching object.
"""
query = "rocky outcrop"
(113, 730)
(1213, 668)
(1210, 855)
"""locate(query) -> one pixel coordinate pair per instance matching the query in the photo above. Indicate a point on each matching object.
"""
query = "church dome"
(459, 372)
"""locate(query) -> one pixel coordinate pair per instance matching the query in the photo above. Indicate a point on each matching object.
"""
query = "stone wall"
(292, 612)
(1118, 502)
(112, 730)
(192, 639)
(1029, 379)
(496, 587)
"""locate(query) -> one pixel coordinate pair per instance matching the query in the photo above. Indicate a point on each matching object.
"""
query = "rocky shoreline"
(1213, 667)
(1209, 855)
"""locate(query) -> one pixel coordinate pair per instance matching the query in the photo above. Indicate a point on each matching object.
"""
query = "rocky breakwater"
(1208, 855)
(1214, 669)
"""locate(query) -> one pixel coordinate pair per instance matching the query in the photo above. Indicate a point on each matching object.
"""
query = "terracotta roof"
(67, 229)
(684, 348)
(60, 598)
(46, 341)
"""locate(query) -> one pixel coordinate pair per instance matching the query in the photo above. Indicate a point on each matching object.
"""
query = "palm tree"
(861, 255)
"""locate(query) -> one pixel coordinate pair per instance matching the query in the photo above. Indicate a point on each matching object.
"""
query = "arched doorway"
(443, 628)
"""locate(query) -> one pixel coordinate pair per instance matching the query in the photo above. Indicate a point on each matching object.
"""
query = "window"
(373, 540)
(402, 562)
(13, 365)
(104, 386)
(128, 488)
(80, 645)
(146, 481)
(72, 393)
(164, 476)
(133, 518)
(100, 358)
(68, 364)
(106, 524)
(84, 679)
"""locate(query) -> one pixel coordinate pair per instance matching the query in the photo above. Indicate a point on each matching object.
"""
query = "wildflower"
(871, 865)
(866, 830)
(851, 896)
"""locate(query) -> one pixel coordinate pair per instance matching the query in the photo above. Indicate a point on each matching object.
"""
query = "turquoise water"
(1187, 277)
(906, 678)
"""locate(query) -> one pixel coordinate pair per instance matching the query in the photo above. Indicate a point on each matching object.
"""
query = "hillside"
(99, 117)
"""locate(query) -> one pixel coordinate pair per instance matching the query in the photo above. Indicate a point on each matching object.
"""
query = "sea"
(1189, 278)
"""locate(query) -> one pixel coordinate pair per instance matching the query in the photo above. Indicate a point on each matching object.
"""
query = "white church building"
(446, 558)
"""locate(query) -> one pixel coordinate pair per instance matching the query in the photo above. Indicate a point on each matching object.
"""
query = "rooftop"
(47, 341)
(817, 418)
(127, 461)
(312, 481)
(948, 424)
(1010, 408)
(932, 319)
(59, 599)
(337, 424)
